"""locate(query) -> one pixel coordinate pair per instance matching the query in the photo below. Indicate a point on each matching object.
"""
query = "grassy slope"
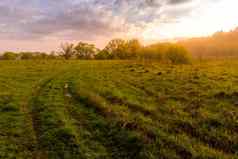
(115, 109)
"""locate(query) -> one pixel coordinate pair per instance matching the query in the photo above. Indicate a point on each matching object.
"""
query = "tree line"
(116, 49)
(219, 45)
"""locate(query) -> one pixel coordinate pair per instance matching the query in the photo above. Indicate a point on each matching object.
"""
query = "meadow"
(53, 109)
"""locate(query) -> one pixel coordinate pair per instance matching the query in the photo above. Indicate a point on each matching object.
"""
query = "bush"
(103, 55)
(177, 55)
(151, 53)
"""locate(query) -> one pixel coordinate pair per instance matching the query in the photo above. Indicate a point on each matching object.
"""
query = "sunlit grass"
(118, 109)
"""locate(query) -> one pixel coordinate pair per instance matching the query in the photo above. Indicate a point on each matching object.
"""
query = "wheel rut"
(34, 119)
(37, 111)
(117, 140)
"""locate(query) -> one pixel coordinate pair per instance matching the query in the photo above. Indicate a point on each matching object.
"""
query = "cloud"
(80, 20)
(84, 19)
(174, 2)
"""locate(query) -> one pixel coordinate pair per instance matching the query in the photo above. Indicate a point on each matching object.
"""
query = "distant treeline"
(116, 49)
(27, 55)
(219, 45)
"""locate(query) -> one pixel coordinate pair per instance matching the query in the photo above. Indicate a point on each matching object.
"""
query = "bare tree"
(67, 50)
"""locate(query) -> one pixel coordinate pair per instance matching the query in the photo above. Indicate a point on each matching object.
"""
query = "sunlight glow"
(203, 21)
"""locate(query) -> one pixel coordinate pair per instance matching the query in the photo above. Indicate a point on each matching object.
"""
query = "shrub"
(103, 55)
(177, 55)
(151, 54)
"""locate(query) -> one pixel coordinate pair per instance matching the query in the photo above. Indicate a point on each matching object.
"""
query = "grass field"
(118, 110)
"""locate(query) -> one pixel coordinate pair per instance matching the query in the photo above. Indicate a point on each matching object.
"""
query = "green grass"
(118, 109)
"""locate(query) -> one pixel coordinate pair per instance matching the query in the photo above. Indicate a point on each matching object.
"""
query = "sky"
(42, 25)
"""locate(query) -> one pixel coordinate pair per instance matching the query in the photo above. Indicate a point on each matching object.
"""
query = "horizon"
(43, 25)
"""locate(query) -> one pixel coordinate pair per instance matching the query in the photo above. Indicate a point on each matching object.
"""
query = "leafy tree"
(43, 55)
(85, 51)
(27, 55)
(116, 48)
(103, 55)
(166, 52)
(9, 56)
(133, 48)
(67, 51)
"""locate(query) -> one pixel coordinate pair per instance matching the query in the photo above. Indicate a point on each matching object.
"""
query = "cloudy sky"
(44, 24)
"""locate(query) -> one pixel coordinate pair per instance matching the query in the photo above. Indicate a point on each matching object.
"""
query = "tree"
(219, 45)
(103, 55)
(155, 51)
(9, 56)
(121, 49)
(133, 48)
(116, 48)
(52, 55)
(85, 51)
(67, 51)
(27, 55)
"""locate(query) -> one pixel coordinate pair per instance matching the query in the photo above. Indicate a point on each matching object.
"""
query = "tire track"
(149, 133)
(83, 127)
(227, 147)
(40, 154)
(50, 133)
(30, 120)
(119, 141)
(148, 136)
(30, 130)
